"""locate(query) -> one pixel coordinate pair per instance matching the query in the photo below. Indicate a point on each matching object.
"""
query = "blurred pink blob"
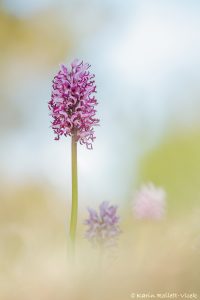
(149, 202)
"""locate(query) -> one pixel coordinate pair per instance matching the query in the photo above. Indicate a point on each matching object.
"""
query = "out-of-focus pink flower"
(72, 103)
(149, 202)
(103, 226)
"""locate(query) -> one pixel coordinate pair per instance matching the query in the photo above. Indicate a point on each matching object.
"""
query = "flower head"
(72, 104)
(149, 202)
(103, 226)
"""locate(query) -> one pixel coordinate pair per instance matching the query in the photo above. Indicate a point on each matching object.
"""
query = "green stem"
(74, 208)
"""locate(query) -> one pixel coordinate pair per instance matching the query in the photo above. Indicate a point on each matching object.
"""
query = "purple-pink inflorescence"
(103, 226)
(72, 103)
(149, 202)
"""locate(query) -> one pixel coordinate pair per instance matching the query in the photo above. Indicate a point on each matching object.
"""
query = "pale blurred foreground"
(162, 256)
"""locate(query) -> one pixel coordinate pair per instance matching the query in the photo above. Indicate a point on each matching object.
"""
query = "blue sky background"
(145, 55)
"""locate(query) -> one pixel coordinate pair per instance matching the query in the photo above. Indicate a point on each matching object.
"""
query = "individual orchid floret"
(72, 104)
(149, 202)
(103, 225)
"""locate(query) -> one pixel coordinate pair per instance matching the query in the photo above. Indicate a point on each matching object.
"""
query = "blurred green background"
(145, 55)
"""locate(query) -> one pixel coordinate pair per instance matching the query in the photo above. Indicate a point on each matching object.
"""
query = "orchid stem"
(74, 207)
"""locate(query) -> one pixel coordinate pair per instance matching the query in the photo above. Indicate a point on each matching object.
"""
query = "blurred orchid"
(103, 226)
(149, 202)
